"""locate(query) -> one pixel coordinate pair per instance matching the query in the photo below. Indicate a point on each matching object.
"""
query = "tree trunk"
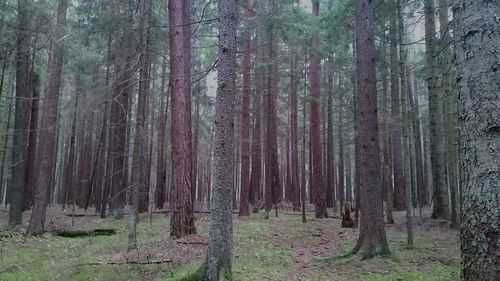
(245, 120)
(49, 121)
(22, 112)
(182, 220)
(386, 139)
(476, 39)
(317, 165)
(220, 243)
(396, 145)
(372, 239)
(440, 208)
(161, 167)
(341, 179)
(31, 161)
(294, 159)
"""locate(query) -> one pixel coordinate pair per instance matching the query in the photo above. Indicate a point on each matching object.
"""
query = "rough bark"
(161, 167)
(440, 189)
(245, 120)
(294, 159)
(182, 220)
(220, 243)
(30, 173)
(477, 33)
(22, 113)
(372, 239)
(49, 122)
(396, 142)
(317, 163)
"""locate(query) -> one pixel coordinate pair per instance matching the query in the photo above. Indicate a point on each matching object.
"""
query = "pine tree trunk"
(22, 112)
(372, 239)
(49, 121)
(294, 159)
(331, 197)
(317, 162)
(220, 243)
(245, 120)
(182, 220)
(397, 152)
(440, 193)
(161, 169)
(477, 33)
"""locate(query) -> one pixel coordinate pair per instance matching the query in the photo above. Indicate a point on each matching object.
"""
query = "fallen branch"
(127, 262)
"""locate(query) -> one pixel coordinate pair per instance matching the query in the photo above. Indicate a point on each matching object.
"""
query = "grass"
(264, 250)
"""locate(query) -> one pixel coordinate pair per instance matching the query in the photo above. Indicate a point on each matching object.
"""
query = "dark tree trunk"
(396, 141)
(119, 123)
(49, 123)
(341, 179)
(22, 113)
(245, 120)
(31, 161)
(294, 158)
(440, 192)
(182, 220)
(317, 164)
(477, 33)
(256, 173)
(331, 197)
(372, 239)
(161, 167)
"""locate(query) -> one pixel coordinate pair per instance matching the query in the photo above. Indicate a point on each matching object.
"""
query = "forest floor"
(281, 248)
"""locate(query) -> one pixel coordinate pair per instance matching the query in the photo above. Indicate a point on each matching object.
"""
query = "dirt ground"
(281, 248)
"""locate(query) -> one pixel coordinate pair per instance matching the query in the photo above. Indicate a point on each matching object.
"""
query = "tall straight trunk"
(417, 138)
(196, 136)
(317, 165)
(161, 167)
(303, 173)
(22, 112)
(84, 144)
(49, 122)
(406, 126)
(182, 219)
(272, 165)
(396, 142)
(186, 37)
(140, 176)
(449, 109)
(341, 179)
(245, 120)
(120, 108)
(476, 40)
(220, 243)
(294, 159)
(387, 183)
(3, 164)
(348, 175)
(372, 239)
(256, 172)
(440, 192)
(331, 197)
(31, 159)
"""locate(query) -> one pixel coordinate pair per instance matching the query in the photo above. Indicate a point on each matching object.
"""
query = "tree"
(220, 243)
(476, 41)
(440, 208)
(140, 176)
(317, 163)
(396, 142)
(372, 239)
(22, 112)
(245, 119)
(182, 217)
(48, 122)
(294, 157)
